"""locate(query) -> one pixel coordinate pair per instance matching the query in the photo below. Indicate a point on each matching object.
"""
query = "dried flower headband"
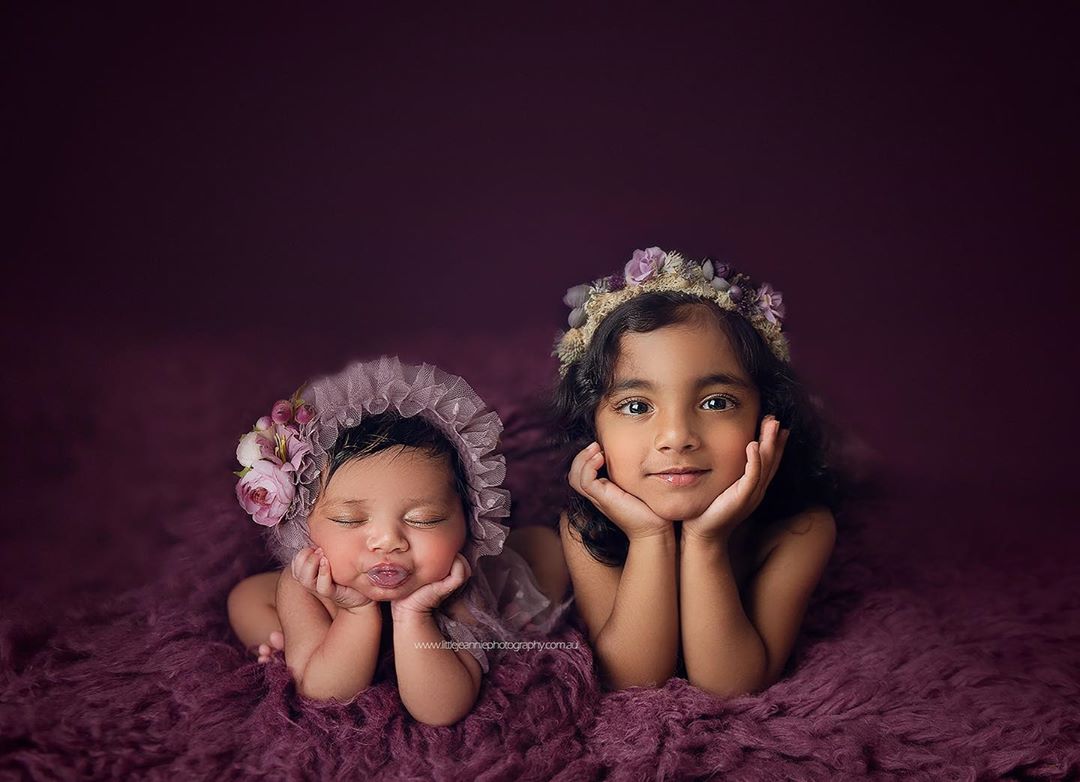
(653, 270)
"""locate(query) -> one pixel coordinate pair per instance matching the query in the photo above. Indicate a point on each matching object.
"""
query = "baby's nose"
(387, 537)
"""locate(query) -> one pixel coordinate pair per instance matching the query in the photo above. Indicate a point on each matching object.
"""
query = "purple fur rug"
(942, 643)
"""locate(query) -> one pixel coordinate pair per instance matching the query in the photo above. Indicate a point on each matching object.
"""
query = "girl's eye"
(633, 407)
(712, 403)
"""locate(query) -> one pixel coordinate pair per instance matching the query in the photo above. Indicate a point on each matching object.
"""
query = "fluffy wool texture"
(940, 645)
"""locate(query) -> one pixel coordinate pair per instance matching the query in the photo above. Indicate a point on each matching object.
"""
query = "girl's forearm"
(344, 664)
(639, 643)
(723, 652)
(433, 682)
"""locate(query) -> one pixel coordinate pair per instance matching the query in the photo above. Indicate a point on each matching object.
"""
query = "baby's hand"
(425, 599)
(740, 499)
(626, 511)
(311, 568)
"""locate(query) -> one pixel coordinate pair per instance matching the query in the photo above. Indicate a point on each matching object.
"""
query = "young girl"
(382, 495)
(701, 516)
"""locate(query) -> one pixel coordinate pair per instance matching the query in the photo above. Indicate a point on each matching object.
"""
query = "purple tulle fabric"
(501, 594)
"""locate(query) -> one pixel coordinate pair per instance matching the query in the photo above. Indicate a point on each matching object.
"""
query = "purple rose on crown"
(644, 265)
(770, 303)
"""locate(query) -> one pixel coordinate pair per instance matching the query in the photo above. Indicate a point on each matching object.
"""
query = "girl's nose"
(386, 537)
(676, 432)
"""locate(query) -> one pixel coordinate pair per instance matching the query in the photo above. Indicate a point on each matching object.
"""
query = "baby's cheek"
(439, 556)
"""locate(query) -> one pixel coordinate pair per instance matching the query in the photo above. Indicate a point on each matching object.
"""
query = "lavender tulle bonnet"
(502, 593)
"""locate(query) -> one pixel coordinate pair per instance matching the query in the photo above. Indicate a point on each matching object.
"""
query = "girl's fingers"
(579, 468)
(767, 442)
(590, 466)
(769, 449)
(590, 483)
(573, 475)
(778, 454)
(752, 476)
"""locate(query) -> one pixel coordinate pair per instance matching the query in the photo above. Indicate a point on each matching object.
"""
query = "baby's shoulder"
(458, 610)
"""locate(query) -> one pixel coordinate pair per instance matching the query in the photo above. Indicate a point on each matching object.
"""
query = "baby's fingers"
(458, 575)
(305, 565)
(324, 583)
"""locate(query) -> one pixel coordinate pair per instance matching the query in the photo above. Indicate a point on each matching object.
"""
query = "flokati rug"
(942, 644)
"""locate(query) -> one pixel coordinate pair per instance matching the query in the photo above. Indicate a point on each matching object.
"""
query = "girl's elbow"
(726, 690)
(440, 720)
(618, 677)
(620, 671)
(723, 691)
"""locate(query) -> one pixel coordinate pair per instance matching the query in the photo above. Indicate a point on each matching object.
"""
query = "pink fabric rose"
(644, 265)
(254, 446)
(296, 448)
(304, 413)
(281, 412)
(266, 491)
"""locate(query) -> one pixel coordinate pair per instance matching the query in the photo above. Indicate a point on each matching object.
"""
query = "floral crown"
(284, 454)
(654, 270)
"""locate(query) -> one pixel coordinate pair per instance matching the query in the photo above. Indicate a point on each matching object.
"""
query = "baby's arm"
(437, 686)
(328, 658)
(730, 651)
(631, 612)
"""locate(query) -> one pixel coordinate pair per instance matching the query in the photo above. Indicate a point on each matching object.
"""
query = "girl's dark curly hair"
(806, 476)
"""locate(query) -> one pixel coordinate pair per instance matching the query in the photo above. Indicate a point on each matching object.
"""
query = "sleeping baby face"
(390, 523)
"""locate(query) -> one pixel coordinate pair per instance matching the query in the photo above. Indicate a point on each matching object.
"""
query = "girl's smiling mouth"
(680, 476)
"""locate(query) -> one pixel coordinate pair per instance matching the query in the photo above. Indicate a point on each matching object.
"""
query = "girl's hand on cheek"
(311, 568)
(626, 511)
(740, 499)
(425, 599)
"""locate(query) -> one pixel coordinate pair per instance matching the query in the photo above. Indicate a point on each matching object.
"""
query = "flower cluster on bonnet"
(654, 269)
(271, 456)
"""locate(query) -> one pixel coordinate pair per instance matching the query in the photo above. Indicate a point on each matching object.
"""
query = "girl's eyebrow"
(716, 379)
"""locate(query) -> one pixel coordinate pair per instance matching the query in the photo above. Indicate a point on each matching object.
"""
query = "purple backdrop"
(297, 189)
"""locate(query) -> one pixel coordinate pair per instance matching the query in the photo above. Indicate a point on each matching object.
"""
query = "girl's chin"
(678, 510)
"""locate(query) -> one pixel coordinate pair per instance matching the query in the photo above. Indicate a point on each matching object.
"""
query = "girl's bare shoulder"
(759, 545)
(806, 525)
